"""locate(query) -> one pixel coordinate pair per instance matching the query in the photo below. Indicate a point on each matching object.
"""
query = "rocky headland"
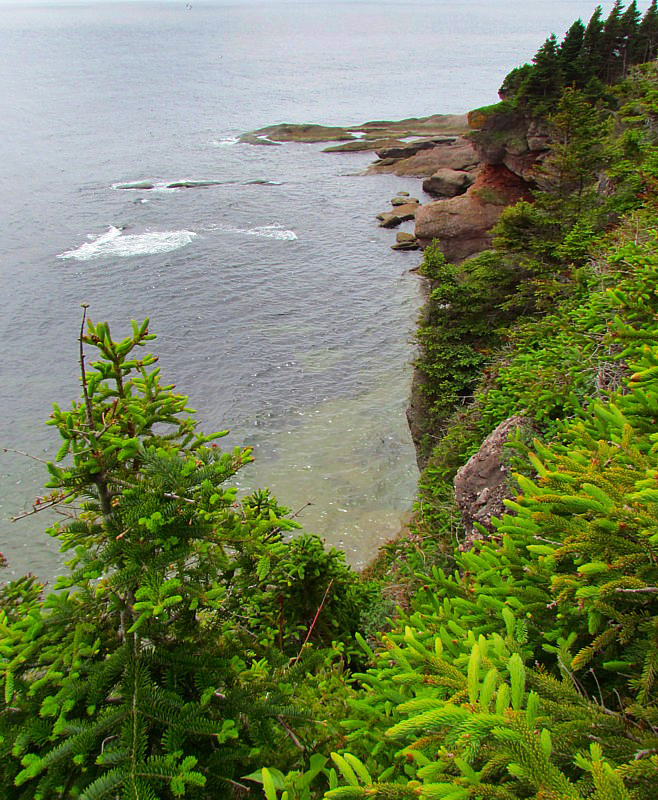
(472, 166)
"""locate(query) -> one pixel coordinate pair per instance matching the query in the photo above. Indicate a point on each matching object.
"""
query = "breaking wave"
(115, 244)
(274, 231)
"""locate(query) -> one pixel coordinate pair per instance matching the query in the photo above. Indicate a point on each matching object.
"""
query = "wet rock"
(362, 145)
(406, 149)
(402, 194)
(448, 182)
(405, 241)
(403, 213)
(483, 483)
(134, 185)
(407, 211)
(259, 141)
(192, 184)
(389, 220)
(401, 201)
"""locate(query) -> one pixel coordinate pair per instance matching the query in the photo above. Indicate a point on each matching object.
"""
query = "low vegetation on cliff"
(197, 648)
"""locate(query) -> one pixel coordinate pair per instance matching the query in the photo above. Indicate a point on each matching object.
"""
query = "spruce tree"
(611, 41)
(630, 26)
(543, 84)
(590, 59)
(156, 669)
(569, 52)
(646, 41)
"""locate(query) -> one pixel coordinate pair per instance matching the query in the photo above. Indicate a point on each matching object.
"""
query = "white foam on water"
(274, 231)
(225, 142)
(114, 244)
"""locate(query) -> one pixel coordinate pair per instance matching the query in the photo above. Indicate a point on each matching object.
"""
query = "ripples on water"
(278, 304)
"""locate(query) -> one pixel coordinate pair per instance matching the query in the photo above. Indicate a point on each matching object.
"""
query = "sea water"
(278, 304)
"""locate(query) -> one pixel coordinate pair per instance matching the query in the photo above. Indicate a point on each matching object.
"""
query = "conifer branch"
(22, 453)
(290, 733)
(315, 619)
(43, 506)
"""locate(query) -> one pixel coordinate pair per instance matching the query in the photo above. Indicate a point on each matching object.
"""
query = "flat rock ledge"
(404, 209)
(433, 126)
(455, 153)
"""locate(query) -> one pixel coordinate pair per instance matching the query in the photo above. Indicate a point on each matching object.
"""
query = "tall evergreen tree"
(543, 85)
(630, 27)
(646, 41)
(611, 43)
(590, 60)
(569, 52)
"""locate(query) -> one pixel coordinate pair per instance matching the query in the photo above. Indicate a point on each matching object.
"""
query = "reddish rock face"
(462, 224)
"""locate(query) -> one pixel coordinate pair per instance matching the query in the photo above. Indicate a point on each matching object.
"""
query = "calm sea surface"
(278, 305)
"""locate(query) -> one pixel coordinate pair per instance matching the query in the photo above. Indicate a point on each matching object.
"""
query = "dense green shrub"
(173, 654)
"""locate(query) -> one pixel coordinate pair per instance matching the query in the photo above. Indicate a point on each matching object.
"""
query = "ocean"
(279, 307)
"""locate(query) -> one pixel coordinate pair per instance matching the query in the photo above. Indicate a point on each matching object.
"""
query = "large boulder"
(483, 484)
(448, 182)
(459, 154)
(462, 224)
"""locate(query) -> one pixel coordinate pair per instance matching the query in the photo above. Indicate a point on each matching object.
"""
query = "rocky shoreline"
(473, 166)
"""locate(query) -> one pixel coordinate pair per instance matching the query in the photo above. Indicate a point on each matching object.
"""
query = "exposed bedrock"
(463, 224)
(484, 483)
(435, 125)
(509, 138)
(455, 154)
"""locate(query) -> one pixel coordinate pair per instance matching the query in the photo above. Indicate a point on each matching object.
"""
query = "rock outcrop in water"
(429, 127)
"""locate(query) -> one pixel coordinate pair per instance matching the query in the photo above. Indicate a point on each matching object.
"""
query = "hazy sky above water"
(580, 7)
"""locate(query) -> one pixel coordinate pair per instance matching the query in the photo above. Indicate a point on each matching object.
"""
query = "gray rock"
(402, 194)
(403, 201)
(483, 483)
(134, 185)
(389, 220)
(404, 237)
(448, 182)
(192, 184)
